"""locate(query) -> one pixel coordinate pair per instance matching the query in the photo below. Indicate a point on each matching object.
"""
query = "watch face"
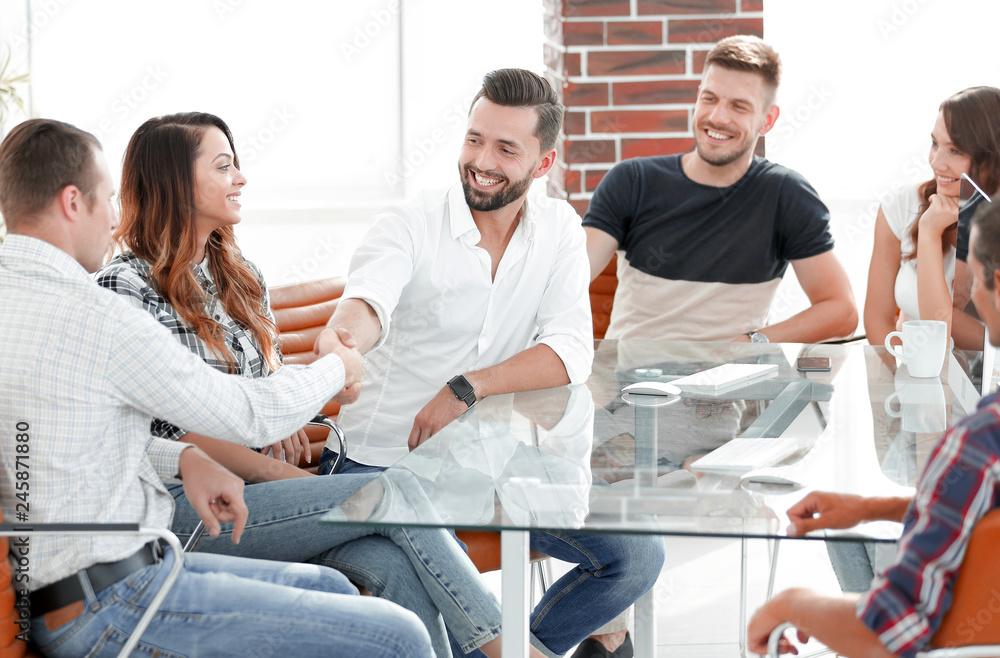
(461, 387)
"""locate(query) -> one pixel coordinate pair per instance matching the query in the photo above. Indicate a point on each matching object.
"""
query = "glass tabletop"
(588, 458)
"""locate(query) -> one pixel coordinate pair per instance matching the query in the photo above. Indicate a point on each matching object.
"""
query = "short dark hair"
(744, 52)
(986, 221)
(521, 88)
(39, 158)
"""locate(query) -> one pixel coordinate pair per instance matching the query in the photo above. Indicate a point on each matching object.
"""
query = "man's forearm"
(885, 509)
(358, 317)
(830, 619)
(534, 368)
(825, 320)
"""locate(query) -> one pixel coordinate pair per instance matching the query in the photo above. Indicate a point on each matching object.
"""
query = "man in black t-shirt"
(708, 235)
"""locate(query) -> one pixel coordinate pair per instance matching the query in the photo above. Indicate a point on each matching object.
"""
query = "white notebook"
(740, 456)
(725, 377)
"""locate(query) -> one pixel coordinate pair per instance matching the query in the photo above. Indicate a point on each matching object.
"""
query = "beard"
(488, 202)
(734, 152)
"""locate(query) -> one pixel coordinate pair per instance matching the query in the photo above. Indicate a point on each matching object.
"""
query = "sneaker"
(591, 648)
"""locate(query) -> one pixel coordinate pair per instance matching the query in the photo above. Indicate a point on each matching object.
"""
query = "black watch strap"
(462, 389)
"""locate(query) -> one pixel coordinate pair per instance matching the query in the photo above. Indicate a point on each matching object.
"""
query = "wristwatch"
(462, 389)
(757, 337)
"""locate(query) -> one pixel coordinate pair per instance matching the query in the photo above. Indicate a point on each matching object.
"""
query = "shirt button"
(218, 317)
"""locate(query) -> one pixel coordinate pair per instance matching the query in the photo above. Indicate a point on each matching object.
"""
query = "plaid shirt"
(81, 376)
(960, 484)
(128, 275)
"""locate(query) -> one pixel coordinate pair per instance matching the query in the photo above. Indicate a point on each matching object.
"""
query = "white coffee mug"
(921, 406)
(924, 344)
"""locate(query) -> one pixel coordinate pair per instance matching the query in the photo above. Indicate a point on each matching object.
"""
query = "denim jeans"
(223, 606)
(423, 570)
(853, 563)
(612, 572)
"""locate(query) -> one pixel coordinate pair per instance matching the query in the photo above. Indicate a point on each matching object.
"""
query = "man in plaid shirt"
(903, 608)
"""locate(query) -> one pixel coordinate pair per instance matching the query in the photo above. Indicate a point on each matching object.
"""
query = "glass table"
(588, 458)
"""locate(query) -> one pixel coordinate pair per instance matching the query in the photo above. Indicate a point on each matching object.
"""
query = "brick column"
(628, 71)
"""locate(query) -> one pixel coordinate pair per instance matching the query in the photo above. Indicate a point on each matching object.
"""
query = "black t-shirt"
(674, 228)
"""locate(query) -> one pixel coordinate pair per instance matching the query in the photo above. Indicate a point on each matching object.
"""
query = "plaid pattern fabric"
(81, 376)
(960, 484)
(128, 275)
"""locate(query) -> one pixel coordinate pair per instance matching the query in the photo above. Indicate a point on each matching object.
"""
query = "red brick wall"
(628, 71)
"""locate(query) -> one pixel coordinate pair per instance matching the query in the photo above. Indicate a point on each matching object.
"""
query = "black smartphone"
(813, 364)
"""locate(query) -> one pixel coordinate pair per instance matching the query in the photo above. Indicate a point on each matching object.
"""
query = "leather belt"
(70, 589)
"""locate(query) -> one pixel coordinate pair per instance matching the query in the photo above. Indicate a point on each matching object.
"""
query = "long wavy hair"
(158, 224)
(972, 118)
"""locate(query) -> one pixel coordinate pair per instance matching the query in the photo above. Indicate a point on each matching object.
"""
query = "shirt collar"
(460, 217)
(18, 248)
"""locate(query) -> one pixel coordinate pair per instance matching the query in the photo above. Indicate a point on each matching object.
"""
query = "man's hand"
(349, 394)
(441, 410)
(214, 493)
(822, 509)
(764, 621)
(339, 341)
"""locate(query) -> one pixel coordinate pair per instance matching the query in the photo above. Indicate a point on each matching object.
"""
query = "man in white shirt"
(480, 290)
(81, 377)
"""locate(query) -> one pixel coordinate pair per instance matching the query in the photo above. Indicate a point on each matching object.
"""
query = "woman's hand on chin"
(940, 215)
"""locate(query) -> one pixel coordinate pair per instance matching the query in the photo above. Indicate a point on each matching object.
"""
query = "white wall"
(862, 83)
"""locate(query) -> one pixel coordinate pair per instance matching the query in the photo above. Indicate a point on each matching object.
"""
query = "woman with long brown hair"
(914, 273)
(180, 197)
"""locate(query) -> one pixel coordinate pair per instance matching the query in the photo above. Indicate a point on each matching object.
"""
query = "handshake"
(339, 341)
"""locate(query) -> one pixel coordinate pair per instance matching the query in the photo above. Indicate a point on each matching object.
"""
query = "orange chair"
(976, 595)
(602, 297)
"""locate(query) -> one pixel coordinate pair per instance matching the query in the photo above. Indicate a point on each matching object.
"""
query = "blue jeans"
(223, 606)
(853, 563)
(422, 570)
(612, 572)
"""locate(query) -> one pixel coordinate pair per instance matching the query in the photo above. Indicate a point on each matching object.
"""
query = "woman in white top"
(914, 274)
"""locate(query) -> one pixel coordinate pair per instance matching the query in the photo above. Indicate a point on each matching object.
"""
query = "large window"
(331, 103)
(862, 83)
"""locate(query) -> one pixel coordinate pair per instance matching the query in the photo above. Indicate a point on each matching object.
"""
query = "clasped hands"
(339, 341)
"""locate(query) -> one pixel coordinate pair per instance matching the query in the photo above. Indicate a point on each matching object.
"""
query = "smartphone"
(814, 364)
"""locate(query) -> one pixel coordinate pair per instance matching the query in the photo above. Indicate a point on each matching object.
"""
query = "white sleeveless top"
(900, 213)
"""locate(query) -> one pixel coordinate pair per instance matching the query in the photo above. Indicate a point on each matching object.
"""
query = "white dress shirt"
(442, 315)
(85, 374)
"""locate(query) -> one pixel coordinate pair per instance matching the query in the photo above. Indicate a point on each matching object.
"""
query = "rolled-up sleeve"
(383, 263)
(564, 320)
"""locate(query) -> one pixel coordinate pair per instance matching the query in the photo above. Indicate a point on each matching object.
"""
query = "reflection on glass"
(970, 193)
